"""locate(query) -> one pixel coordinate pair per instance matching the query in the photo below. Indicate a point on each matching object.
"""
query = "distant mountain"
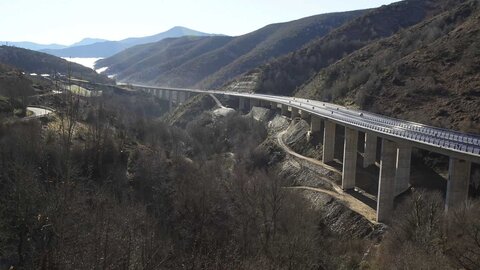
(428, 73)
(86, 41)
(211, 61)
(33, 46)
(109, 48)
(38, 62)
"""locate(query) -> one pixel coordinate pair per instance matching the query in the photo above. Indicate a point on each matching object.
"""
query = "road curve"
(38, 111)
(448, 142)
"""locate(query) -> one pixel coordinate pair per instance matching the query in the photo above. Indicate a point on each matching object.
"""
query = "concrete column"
(284, 110)
(254, 103)
(349, 158)
(386, 183)
(328, 141)
(315, 124)
(458, 182)
(402, 176)
(295, 113)
(241, 103)
(273, 105)
(370, 152)
(304, 115)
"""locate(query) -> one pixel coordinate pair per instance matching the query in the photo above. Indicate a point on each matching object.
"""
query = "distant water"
(87, 62)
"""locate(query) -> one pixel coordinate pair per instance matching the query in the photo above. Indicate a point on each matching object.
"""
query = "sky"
(68, 21)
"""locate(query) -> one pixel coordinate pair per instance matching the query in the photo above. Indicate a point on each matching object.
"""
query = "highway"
(434, 139)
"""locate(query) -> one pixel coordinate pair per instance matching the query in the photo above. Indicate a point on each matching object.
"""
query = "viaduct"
(397, 138)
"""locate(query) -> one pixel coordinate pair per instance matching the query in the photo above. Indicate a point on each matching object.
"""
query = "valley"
(344, 140)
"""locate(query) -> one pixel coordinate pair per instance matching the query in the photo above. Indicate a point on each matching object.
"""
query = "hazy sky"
(68, 21)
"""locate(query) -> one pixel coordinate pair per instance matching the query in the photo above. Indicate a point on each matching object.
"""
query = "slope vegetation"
(428, 73)
(37, 62)
(213, 61)
(285, 74)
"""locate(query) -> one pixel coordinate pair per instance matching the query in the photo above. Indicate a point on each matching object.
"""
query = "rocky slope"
(428, 73)
(285, 74)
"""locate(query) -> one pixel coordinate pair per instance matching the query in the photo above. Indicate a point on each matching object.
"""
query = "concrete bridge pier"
(315, 124)
(254, 103)
(458, 182)
(182, 97)
(386, 185)
(349, 159)
(295, 113)
(265, 104)
(328, 141)
(305, 115)
(241, 104)
(402, 176)
(284, 110)
(370, 152)
(273, 105)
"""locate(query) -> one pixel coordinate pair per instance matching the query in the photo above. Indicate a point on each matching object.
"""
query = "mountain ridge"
(108, 48)
(223, 59)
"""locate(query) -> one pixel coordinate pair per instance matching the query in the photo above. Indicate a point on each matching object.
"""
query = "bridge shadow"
(361, 196)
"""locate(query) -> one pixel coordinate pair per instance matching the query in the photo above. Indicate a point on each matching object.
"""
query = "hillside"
(428, 73)
(40, 63)
(32, 45)
(223, 58)
(285, 74)
(109, 48)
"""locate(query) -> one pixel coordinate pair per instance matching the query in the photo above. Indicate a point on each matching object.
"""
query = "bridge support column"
(305, 115)
(328, 141)
(315, 124)
(254, 103)
(273, 105)
(386, 185)
(295, 113)
(370, 152)
(241, 104)
(284, 110)
(402, 176)
(458, 182)
(349, 158)
(184, 97)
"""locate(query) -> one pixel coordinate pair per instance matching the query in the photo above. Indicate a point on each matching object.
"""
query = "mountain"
(86, 41)
(428, 73)
(211, 61)
(285, 74)
(40, 63)
(109, 48)
(33, 46)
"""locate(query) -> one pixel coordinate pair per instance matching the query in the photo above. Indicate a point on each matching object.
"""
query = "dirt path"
(346, 199)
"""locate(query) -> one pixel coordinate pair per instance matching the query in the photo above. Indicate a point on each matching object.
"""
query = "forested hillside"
(428, 73)
(215, 60)
(285, 74)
